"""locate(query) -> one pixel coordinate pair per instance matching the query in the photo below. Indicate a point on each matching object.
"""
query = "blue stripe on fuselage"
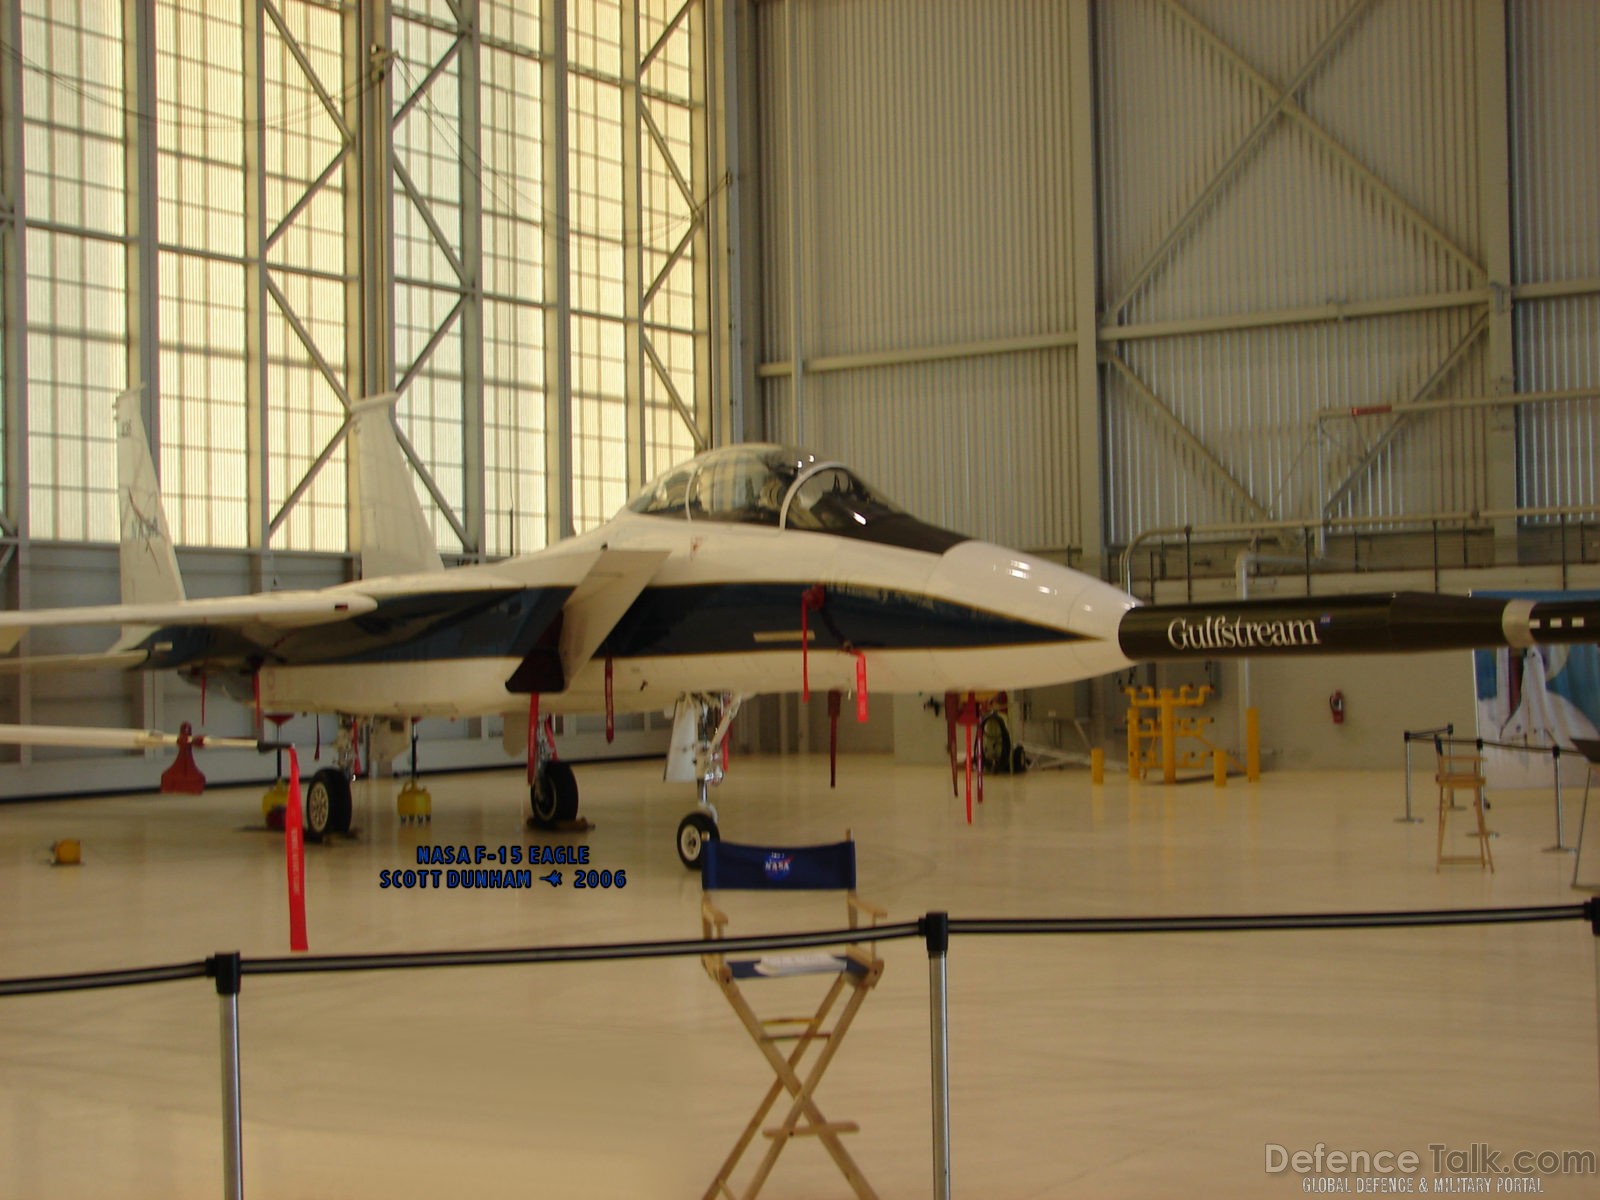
(736, 618)
(719, 618)
(420, 627)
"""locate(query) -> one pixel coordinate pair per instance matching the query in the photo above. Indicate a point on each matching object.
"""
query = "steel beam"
(1088, 484)
(1413, 405)
(1494, 207)
(1281, 100)
(143, 297)
(1371, 178)
(257, 430)
(557, 277)
(634, 125)
(473, 525)
(794, 136)
(1208, 457)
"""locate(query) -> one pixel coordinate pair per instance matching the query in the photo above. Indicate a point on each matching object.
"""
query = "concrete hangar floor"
(1106, 1066)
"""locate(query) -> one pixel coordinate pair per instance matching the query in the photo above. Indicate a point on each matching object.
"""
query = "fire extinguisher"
(1336, 707)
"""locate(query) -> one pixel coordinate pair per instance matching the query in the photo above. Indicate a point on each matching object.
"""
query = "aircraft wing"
(609, 587)
(114, 739)
(597, 604)
(283, 610)
(108, 660)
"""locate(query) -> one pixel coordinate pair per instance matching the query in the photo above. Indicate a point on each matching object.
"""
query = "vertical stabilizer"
(149, 566)
(395, 537)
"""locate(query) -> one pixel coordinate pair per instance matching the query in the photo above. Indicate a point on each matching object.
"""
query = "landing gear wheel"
(554, 795)
(694, 831)
(996, 742)
(327, 804)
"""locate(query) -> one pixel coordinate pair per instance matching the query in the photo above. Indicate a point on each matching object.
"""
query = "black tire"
(694, 831)
(327, 804)
(995, 739)
(554, 795)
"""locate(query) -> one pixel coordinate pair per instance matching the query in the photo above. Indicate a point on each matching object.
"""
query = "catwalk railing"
(936, 929)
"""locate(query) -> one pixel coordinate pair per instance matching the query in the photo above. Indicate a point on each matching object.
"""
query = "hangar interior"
(1198, 297)
(1278, 298)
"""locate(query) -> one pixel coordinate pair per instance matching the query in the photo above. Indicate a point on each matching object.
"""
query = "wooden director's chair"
(1461, 771)
(852, 967)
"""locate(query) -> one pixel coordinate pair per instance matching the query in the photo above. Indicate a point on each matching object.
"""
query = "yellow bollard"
(1169, 739)
(1252, 745)
(1097, 766)
(68, 852)
(1219, 768)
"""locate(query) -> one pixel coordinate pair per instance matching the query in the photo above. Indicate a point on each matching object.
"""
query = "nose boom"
(1384, 623)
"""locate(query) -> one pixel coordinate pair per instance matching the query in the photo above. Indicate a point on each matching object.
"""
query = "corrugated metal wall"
(1295, 215)
(1221, 207)
(932, 170)
(1555, 86)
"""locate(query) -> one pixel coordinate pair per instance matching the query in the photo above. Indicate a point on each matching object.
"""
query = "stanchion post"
(1408, 819)
(226, 970)
(1591, 910)
(1252, 744)
(1561, 846)
(936, 931)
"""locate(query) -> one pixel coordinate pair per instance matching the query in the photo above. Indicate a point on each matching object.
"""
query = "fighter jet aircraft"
(749, 569)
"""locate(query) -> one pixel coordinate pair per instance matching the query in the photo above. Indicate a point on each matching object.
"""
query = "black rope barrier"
(1427, 735)
(1268, 921)
(691, 947)
(87, 980)
(596, 952)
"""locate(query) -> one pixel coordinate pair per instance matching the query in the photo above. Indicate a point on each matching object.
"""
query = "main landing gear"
(700, 724)
(699, 728)
(328, 808)
(552, 787)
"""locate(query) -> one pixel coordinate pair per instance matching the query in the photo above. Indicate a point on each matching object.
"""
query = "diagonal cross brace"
(1188, 436)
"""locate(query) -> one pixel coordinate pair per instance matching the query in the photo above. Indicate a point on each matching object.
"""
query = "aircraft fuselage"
(722, 613)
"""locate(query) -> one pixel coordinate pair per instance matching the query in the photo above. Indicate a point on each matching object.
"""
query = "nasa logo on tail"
(778, 865)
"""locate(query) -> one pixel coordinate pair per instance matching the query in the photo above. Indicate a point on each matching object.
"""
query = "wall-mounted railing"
(1449, 538)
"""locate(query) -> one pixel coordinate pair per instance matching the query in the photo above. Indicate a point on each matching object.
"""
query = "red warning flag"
(294, 853)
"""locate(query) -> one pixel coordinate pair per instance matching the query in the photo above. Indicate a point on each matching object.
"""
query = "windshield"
(784, 487)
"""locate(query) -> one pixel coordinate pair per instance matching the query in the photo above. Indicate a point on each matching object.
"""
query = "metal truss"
(1283, 106)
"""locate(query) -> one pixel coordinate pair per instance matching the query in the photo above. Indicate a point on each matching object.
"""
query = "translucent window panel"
(599, 420)
(306, 257)
(669, 70)
(510, 23)
(77, 365)
(514, 422)
(303, 415)
(204, 465)
(667, 216)
(594, 36)
(302, 140)
(72, 108)
(430, 409)
(595, 185)
(427, 146)
(513, 174)
(200, 126)
(667, 439)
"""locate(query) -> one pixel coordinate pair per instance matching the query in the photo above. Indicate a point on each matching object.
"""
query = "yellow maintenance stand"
(1155, 728)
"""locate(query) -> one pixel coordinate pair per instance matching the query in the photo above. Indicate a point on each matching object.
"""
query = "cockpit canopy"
(784, 487)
